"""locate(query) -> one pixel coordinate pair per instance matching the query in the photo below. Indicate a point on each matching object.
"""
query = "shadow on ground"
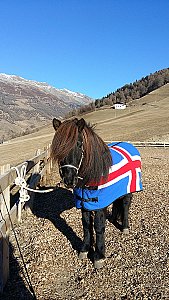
(48, 206)
(15, 288)
(51, 205)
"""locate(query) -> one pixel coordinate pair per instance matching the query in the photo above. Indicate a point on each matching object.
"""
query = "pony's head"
(81, 154)
(67, 148)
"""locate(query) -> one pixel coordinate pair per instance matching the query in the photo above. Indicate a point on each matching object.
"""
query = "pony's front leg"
(99, 226)
(87, 223)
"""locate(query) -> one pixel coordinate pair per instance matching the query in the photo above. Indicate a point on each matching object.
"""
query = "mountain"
(26, 105)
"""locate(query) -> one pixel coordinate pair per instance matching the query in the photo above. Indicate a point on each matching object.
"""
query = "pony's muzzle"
(70, 178)
(70, 184)
(69, 174)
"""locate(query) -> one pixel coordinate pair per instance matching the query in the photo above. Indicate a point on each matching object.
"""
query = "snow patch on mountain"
(42, 85)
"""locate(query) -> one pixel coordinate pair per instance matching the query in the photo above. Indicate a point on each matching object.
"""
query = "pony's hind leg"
(120, 213)
(87, 223)
(125, 212)
(99, 226)
(117, 212)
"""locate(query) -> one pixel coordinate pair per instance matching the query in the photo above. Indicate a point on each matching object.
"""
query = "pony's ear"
(56, 123)
(81, 124)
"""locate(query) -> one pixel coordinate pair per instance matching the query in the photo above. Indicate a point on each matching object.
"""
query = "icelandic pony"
(99, 174)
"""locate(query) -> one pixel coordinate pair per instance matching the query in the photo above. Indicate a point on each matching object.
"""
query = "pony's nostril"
(65, 181)
(68, 183)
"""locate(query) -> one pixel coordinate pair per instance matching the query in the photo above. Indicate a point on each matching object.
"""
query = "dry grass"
(147, 119)
(137, 123)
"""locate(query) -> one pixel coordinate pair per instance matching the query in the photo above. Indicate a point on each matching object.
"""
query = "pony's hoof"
(98, 264)
(83, 255)
(126, 231)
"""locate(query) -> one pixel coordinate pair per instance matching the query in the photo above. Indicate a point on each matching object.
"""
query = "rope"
(27, 278)
(21, 182)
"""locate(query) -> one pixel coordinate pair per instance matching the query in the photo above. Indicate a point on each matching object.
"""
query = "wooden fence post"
(49, 161)
(19, 211)
(6, 192)
(4, 239)
(47, 164)
(36, 167)
(32, 184)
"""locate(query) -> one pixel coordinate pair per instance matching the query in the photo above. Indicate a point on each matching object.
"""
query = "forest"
(128, 92)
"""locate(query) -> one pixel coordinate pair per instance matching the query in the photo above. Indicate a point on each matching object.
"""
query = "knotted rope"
(21, 182)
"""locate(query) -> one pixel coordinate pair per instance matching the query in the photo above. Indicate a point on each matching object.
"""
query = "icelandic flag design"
(124, 178)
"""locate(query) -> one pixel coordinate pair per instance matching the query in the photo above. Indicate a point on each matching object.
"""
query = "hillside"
(26, 105)
(147, 119)
(128, 93)
(137, 89)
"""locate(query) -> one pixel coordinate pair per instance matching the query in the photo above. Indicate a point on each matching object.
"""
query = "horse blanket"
(124, 178)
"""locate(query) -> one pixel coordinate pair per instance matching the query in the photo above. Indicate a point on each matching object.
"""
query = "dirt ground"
(137, 265)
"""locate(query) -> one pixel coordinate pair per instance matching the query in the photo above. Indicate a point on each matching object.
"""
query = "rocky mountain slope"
(26, 105)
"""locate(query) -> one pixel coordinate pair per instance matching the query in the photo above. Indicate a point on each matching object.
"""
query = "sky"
(88, 46)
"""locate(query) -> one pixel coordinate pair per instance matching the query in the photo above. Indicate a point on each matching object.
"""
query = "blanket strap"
(87, 200)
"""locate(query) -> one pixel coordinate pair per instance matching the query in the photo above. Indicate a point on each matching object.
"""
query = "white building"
(119, 106)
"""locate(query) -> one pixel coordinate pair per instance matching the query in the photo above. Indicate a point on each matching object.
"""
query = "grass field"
(146, 119)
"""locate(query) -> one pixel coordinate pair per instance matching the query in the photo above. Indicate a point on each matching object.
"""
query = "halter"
(73, 167)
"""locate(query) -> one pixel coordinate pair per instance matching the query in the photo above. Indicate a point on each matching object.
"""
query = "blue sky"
(89, 46)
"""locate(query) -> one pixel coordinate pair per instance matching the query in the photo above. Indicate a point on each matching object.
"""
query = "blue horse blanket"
(124, 178)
